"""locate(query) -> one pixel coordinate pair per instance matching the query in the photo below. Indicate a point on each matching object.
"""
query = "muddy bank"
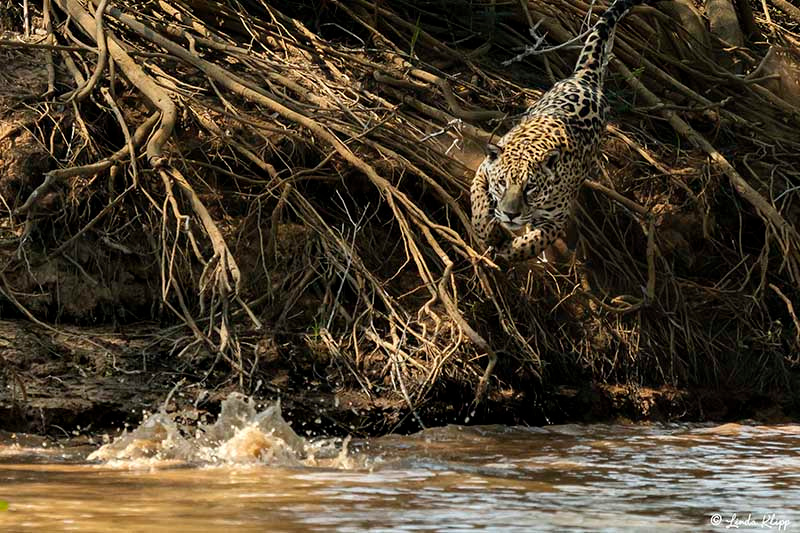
(82, 381)
(280, 207)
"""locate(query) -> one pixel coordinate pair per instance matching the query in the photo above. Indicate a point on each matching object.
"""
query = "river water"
(250, 472)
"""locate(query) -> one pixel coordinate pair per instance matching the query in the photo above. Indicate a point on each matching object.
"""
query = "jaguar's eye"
(530, 188)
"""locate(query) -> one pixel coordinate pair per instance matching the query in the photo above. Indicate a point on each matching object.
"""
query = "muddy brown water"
(247, 473)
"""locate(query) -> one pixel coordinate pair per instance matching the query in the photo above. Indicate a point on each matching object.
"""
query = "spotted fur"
(530, 179)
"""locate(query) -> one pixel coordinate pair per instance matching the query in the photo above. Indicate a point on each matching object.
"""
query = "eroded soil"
(79, 353)
(94, 380)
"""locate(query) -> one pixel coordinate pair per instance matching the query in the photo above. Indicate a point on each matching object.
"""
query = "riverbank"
(90, 381)
(274, 199)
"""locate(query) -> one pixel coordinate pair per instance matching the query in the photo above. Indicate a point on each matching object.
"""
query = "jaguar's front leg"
(534, 241)
(483, 220)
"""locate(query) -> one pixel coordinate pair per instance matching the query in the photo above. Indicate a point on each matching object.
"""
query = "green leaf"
(415, 36)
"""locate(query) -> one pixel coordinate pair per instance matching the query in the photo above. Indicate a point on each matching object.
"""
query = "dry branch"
(789, 9)
(318, 181)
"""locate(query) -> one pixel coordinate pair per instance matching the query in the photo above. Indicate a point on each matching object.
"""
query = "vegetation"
(282, 188)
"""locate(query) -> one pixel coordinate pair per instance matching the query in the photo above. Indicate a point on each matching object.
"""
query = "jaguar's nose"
(510, 215)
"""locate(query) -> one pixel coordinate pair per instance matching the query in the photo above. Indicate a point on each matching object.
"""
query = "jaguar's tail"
(594, 57)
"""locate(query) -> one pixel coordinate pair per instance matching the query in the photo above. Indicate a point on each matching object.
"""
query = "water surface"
(491, 478)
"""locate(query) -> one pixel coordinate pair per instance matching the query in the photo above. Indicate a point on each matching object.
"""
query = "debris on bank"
(272, 199)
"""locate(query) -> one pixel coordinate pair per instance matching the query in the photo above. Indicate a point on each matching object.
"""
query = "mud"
(89, 381)
(88, 345)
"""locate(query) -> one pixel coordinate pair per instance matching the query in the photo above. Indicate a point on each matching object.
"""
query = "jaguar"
(524, 190)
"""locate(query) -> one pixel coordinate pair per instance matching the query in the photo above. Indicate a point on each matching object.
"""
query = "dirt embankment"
(89, 380)
(273, 199)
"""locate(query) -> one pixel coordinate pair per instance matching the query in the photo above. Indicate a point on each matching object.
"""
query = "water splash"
(241, 435)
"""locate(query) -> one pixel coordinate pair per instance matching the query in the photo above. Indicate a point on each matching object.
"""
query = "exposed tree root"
(268, 175)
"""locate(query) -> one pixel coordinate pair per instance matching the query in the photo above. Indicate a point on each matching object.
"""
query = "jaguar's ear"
(493, 151)
(552, 158)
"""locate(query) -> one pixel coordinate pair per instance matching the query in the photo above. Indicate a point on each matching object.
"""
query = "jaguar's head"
(523, 175)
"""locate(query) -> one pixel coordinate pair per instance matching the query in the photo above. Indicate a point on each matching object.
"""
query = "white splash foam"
(241, 435)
